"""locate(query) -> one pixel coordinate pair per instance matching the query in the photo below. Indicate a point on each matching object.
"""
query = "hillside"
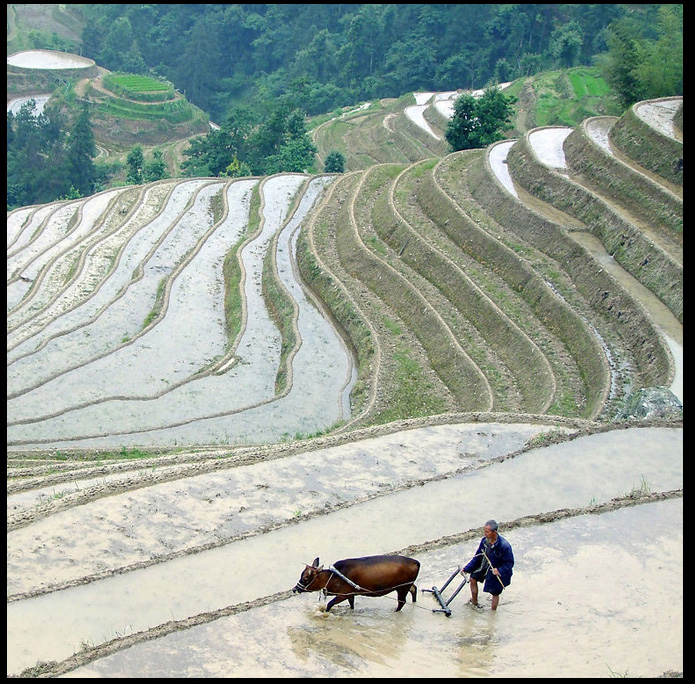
(153, 114)
(450, 284)
(206, 374)
(413, 127)
(389, 130)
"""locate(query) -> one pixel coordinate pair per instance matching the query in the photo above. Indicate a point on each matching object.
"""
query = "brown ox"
(369, 576)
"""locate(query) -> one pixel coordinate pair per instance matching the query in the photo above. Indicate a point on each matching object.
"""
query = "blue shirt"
(501, 557)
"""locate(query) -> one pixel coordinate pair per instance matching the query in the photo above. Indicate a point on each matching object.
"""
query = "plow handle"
(448, 582)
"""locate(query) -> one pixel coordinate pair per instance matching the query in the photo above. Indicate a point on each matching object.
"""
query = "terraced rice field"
(48, 59)
(130, 273)
(462, 330)
(137, 84)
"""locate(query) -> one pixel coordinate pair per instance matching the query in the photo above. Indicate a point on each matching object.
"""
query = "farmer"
(492, 564)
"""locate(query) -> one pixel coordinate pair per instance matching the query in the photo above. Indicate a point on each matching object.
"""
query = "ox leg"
(351, 601)
(402, 593)
(338, 599)
(413, 592)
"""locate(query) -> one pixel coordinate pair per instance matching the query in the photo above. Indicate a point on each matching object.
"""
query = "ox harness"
(332, 569)
(346, 579)
(335, 571)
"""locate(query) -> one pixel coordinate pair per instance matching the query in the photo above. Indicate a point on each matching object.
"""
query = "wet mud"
(584, 600)
(247, 581)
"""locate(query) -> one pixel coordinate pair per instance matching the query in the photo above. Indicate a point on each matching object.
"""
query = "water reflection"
(565, 598)
(347, 638)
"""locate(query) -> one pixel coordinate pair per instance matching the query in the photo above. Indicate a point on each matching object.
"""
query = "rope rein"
(334, 571)
(360, 591)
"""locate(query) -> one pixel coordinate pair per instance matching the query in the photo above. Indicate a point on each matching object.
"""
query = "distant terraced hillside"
(383, 132)
(413, 127)
(125, 109)
(540, 276)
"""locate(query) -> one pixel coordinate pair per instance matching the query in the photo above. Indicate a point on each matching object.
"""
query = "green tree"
(237, 169)
(479, 122)
(461, 130)
(120, 50)
(267, 139)
(239, 126)
(410, 64)
(81, 153)
(280, 143)
(329, 55)
(495, 112)
(297, 155)
(661, 68)
(640, 66)
(364, 42)
(208, 156)
(155, 169)
(620, 66)
(71, 194)
(37, 166)
(566, 43)
(10, 129)
(135, 162)
(335, 162)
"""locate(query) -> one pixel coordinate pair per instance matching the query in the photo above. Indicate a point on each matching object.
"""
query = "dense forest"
(323, 56)
(259, 70)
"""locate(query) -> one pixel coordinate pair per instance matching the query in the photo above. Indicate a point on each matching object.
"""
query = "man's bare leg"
(474, 592)
(495, 601)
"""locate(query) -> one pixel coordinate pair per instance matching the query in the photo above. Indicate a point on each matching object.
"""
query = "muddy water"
(416, 114)
(660, 114)
(60, 217)
(105, 314)
(582, 603)
(21, 235)
(113, 532)
(547, 144)
(17, 103)
(498, 161)
(236, 406)
(118, 373)
(587, 470)
(48, 59)
(15, 221)
(660, 314)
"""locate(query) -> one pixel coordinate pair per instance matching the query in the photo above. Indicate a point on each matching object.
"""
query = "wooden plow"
(438, 594)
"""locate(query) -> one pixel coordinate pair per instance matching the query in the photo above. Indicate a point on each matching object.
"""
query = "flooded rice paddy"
(85, 352)
(574, 609)
(184, 568)
(48, 59)
(584, 580)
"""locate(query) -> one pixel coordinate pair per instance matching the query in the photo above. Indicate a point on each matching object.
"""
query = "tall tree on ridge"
(81, 152)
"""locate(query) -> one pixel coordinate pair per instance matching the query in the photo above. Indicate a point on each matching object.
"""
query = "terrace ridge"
(626, 185)
(630, 247)
(451, 363)
(649, 147)
(597, 287)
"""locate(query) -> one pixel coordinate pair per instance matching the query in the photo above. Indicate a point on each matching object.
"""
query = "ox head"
(308, 576)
